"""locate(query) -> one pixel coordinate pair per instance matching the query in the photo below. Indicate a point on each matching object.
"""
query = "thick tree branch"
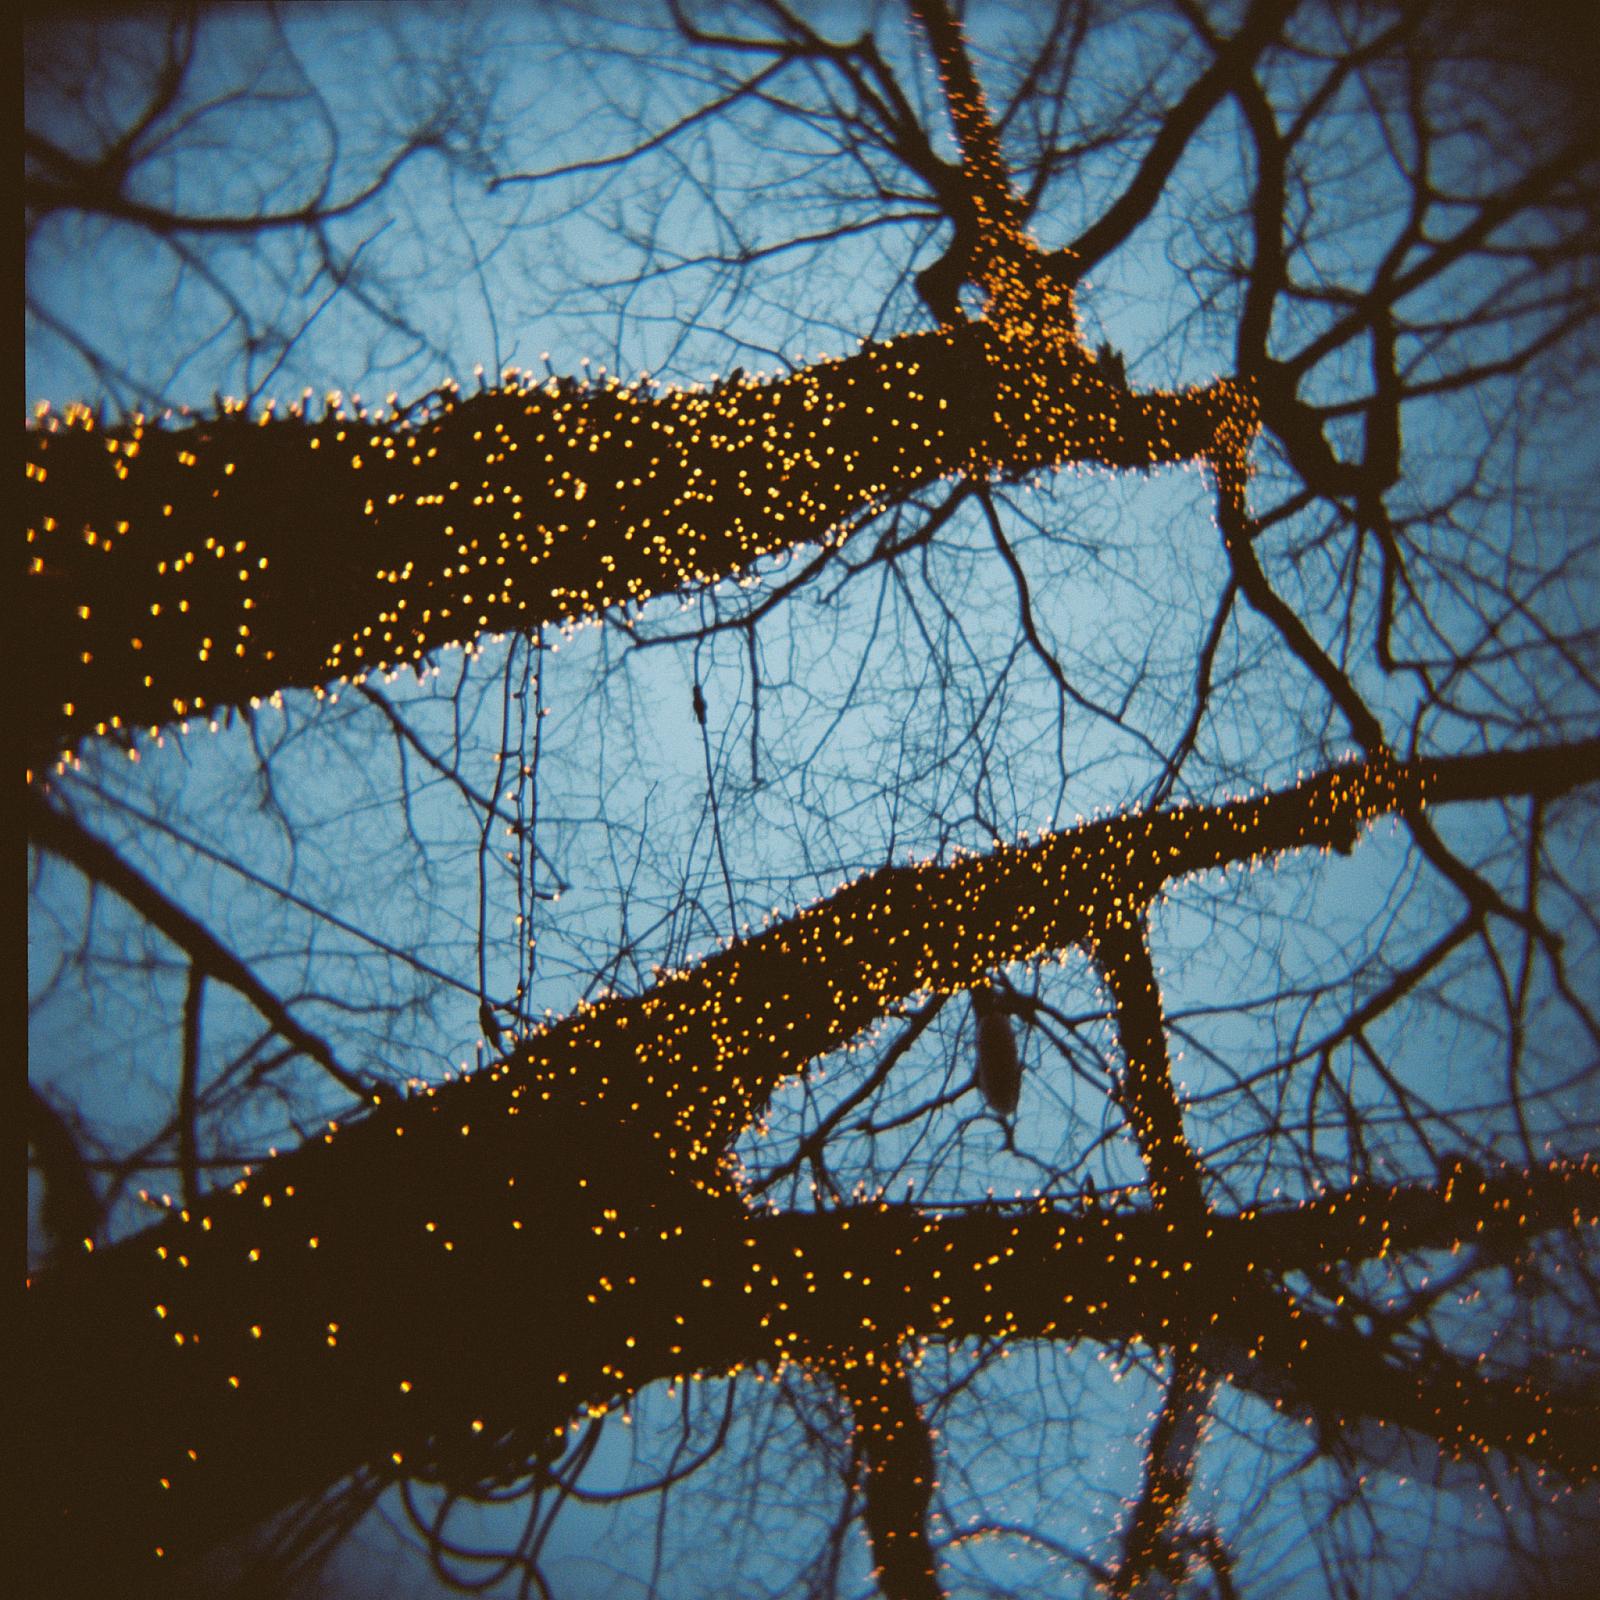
(178, 569)
(998, 213)
(390, 1264)
(1028, 292)
(1147, 1093)
(379, 1309)
(1149, 1537)
(702, 1052)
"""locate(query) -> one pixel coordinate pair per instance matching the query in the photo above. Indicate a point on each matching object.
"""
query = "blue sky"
(901, 715)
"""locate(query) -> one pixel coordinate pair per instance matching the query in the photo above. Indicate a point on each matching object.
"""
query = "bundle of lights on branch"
(182, 566)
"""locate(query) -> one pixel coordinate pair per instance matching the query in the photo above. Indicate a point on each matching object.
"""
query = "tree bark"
(561, 1228)
(182, 567)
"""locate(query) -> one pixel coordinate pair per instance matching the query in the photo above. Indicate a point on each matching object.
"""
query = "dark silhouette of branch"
(359, 542)
(1262, 24)
(557, 1167)
(1149, 1537)
(63, 835)
(1146, 1092)
(382, 1294)
(898, 1472)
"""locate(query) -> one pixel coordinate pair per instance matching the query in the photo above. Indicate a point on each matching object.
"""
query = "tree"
(1346, 1243)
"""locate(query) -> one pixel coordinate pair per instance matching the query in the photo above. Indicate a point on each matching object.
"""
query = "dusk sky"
(1358, 244)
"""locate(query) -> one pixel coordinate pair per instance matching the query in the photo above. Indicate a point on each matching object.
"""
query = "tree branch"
(1147, 1093)
(1149, 1539)
(176, 570)
(1262, 24)
(379, 1307)
(64, 836)
(376, 1279)
(896, 1452)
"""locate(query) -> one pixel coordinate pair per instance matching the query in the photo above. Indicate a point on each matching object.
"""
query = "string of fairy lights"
(182, 565)
(617, 1194)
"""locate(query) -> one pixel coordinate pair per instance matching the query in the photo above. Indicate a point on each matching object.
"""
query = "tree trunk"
(559, 1228)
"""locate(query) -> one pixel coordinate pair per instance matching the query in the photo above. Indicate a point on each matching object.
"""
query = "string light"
(178, 568)
(650, 1258)
(361, 543)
